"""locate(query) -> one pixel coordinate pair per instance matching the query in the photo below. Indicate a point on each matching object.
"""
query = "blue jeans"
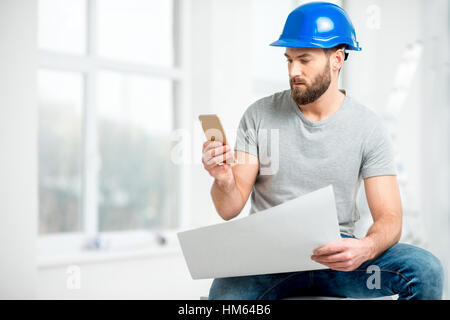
(406, 270)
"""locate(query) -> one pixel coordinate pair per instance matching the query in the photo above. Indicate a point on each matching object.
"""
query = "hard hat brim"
(295, 43)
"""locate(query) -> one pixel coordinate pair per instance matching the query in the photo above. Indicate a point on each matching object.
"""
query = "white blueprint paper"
(278, 239)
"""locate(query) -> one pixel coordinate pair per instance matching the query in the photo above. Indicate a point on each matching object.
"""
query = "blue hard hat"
(318, 25)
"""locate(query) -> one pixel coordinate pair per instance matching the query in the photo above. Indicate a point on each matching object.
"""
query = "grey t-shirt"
(298, 156)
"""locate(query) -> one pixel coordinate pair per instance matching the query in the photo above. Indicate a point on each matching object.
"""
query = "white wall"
(221, 83)
(435, 141)
(421, 133)
(369, 76)
(18, 145)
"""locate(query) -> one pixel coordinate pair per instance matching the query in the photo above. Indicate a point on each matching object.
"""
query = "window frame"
(88, 65)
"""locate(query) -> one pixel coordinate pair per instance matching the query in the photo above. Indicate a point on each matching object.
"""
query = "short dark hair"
(329, 51)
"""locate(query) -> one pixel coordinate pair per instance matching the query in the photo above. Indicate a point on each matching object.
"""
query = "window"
(60, 151)
(108, 80)
(136, 31)
(62, 26)
(134, 119)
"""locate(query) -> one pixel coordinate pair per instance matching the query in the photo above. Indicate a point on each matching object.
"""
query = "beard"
(311, 93)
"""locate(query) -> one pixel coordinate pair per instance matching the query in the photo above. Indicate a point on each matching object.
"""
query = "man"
(324, 137)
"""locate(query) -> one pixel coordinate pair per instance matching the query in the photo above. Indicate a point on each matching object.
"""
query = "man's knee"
(230, 289)
(424, 273)
(431, 276)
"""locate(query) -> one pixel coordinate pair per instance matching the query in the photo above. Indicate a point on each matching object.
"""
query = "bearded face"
(304, 92)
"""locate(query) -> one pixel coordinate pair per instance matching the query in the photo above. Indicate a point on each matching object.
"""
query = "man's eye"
(302, 61)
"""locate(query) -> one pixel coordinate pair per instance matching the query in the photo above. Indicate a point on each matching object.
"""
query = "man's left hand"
(347, 254)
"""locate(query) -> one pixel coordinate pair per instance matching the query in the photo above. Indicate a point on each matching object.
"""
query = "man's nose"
(295, 69)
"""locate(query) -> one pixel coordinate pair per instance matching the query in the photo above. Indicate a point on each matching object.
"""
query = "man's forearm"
(384, 233)
(227, 198)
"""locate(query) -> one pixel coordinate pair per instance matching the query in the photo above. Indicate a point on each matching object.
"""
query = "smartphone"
(213, 129)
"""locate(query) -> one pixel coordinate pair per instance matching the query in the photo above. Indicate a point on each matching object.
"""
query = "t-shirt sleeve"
(246, 137)
(378, 154)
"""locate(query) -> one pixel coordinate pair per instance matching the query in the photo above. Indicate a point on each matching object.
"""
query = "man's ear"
(338, 59)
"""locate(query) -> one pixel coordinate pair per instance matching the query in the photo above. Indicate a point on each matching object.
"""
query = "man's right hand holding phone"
(232, 184)
(217, 160)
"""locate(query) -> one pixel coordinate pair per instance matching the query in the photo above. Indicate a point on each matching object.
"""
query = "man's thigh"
(259, 287)
(406, 270)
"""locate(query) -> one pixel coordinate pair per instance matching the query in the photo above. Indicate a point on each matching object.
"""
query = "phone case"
(213, 129)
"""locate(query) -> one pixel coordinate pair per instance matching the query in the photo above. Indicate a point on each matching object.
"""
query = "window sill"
(76, 257)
